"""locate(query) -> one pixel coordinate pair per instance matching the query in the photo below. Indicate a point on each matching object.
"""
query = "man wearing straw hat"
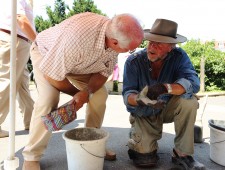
(159, 86)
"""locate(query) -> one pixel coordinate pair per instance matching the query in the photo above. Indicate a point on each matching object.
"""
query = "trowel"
(198, 127)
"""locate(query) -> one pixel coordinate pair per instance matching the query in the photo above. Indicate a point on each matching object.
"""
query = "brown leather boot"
(144, 159)
(187, 162)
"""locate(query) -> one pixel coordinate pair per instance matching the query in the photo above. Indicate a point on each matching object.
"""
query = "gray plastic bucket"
(85, 148)
(217, 141)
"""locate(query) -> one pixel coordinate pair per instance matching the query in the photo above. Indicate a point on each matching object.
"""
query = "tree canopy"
(61, 11)
(214, 62)
(214, 59)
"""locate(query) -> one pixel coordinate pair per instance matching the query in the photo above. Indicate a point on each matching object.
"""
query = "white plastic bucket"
(217, 141)
(85, 148)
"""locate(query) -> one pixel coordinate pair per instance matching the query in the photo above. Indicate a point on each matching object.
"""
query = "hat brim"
(163, 39)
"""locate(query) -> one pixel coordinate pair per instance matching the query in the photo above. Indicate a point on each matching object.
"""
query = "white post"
(202, 74)
(12, 162)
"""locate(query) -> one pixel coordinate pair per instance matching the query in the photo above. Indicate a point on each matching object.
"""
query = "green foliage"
(80, 6)
(214, 59)
(59, 13)
(62, 11)
(41, 24)
(115, 86)
(214, 63)
(144, 44)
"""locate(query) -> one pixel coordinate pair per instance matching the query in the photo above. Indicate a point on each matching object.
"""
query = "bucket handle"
(217, 142)
(90, 152)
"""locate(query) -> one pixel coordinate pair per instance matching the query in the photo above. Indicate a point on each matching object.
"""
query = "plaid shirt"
(76, 46)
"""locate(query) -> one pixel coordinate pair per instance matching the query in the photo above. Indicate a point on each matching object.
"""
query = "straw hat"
(164, 31)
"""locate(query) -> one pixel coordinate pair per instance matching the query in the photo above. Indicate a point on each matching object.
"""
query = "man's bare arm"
(64, 86)
(96, 82)
(26, 27)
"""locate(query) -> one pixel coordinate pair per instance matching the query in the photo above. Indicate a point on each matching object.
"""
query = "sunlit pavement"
(116, 122)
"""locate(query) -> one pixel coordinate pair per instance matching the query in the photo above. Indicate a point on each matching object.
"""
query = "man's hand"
(154, 91)
(148, 96)
(142, 98)
(25, 25)
(80, 99)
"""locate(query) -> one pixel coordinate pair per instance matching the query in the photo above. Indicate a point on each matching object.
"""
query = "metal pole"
(12, 162)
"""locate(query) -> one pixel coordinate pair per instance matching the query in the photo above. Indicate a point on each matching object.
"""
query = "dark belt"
(19, 36)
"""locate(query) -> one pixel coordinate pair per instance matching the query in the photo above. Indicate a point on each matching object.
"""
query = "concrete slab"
(116, 122)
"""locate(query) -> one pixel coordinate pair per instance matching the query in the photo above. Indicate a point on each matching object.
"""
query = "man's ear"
(114, 41)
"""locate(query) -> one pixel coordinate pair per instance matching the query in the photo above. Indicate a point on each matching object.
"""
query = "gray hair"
(124, 28)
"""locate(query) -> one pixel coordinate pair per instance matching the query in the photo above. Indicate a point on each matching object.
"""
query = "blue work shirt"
(177, 68)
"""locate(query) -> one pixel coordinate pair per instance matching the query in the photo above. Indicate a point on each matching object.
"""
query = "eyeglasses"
(156, 44)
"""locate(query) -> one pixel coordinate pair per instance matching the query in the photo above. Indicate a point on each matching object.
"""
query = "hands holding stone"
(149, 94)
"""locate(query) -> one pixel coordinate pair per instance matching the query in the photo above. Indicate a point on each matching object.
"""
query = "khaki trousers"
(146, 131)
(22, 52)
(24, 99)
(48, 99)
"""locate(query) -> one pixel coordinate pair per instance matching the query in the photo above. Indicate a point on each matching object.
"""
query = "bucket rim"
(215, 126)
(88, 141)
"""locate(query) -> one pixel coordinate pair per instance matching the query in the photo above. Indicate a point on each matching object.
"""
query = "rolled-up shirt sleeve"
(188, 86)
(187, 77)
(125, 99)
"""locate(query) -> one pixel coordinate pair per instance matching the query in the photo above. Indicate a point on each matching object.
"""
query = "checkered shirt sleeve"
(77, 46)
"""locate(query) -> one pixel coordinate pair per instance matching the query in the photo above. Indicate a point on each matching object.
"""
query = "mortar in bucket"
(85, 148)
(217, 141)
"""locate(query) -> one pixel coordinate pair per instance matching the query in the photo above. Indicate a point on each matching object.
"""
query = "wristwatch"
(169, 88)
